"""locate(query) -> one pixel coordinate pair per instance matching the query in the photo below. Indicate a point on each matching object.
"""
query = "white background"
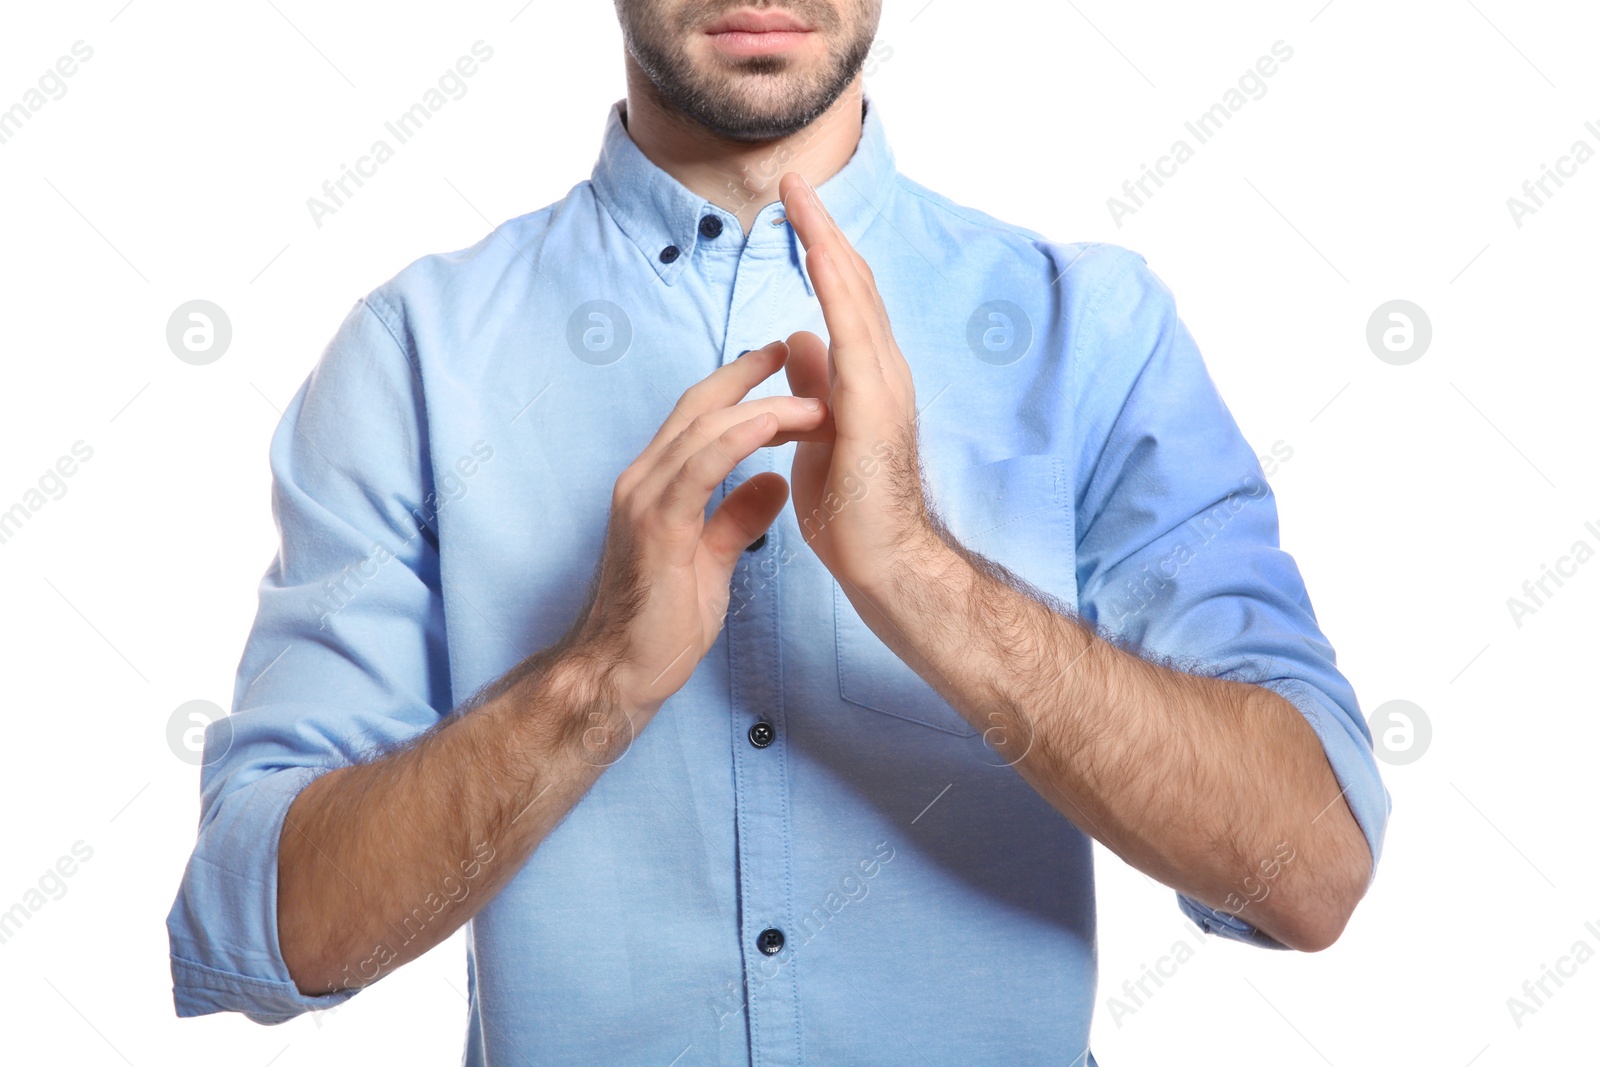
(1418, 499)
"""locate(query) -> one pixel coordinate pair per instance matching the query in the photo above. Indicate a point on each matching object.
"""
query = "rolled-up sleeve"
(1178, 548)
(346, 657)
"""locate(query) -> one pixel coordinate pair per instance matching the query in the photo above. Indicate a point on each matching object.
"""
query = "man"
(714, 778)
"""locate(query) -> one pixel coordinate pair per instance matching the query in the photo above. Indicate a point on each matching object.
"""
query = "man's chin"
(751, 99)
(751, 110)
(762, 129)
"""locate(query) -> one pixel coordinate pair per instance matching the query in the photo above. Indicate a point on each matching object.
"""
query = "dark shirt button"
(762, 733)
(710, 227)
(669, 253)
(770, 941)
(755, 546)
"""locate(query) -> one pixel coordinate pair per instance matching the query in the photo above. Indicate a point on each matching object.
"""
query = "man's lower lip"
(741, 43)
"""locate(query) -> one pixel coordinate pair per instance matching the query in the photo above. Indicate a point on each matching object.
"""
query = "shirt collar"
(656, 211)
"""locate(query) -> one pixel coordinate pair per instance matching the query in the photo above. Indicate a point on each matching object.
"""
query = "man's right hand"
(661, 589)
(363, 844)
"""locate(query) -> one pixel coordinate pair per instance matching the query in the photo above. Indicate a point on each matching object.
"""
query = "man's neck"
(740, 176)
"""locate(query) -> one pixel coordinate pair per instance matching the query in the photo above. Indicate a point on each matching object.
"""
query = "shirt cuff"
(201, 990)
(1222, 924)
(223, 927)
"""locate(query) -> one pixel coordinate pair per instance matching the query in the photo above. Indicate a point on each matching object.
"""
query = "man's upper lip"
(758, 22)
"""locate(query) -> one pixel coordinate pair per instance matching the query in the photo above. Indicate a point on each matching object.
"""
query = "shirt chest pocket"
(1016, 511)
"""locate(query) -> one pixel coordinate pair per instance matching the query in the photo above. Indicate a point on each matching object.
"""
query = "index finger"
(850, 302)
(722, 388)
(815, 223)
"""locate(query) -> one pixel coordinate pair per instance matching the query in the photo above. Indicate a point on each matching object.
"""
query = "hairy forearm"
(380, 861)
(1217, 788)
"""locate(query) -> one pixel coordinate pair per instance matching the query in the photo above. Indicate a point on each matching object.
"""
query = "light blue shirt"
(442, 482)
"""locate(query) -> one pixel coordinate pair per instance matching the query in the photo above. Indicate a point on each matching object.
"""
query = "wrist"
(923, 557)
(599, 719)
(918, 580)
(562, 702)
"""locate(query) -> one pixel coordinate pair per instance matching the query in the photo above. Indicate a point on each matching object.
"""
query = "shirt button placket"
(760, 760)
(761, 802)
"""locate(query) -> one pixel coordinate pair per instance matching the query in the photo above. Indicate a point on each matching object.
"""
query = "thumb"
(808, 366)
(743, 516)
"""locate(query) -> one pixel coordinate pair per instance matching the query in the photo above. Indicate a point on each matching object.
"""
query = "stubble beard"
(755, 98)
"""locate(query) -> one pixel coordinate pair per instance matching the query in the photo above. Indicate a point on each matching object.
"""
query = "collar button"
(710, 227)
(669, 253)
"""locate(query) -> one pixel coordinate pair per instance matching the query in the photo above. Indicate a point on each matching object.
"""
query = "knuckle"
(752, 430)
(679, 418)
(622, 489)
(696, 469)
(745, 425)
(697, 428)
(671, 494)
(687, 398)
(684, 439)
(660, 526)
